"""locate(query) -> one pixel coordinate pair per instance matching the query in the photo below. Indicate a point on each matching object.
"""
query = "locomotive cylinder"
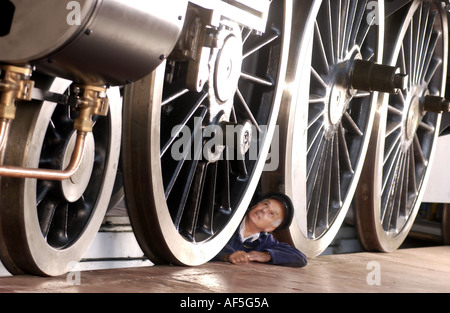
(96, 42)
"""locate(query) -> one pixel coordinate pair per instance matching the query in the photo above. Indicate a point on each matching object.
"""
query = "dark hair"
(288, 208)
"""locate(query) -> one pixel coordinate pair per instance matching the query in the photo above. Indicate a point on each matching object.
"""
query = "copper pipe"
(48, 174)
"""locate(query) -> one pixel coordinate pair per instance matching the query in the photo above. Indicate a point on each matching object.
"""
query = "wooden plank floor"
(406, 270)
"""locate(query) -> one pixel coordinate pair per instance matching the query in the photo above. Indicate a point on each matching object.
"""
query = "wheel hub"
(338, 102)
(74, 187)
(225, 70)
(413, 118)
(340, 92)
(228, 68)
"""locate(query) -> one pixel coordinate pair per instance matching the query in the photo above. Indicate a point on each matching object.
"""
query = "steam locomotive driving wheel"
(46, 226)
(402, 146)
(197, 132)
(326, 119)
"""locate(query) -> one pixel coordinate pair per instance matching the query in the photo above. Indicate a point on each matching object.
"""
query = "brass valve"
(90, 101)
(15, 84)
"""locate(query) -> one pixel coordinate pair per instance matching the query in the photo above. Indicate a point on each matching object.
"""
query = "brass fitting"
(90, 101)
(14, 85)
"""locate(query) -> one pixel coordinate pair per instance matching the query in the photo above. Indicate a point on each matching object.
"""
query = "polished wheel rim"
(326, 140)
(403, 145)
(195, 193)
(46, 226)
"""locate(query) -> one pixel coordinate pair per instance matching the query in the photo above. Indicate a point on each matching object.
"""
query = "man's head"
(274, 212)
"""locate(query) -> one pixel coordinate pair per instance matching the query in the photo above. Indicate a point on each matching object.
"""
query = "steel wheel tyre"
(185, 208)
(46, 226)
(325, 124)
(402, 144)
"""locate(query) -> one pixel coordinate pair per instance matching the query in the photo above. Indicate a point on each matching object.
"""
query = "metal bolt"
(76, 91)
(241, 135)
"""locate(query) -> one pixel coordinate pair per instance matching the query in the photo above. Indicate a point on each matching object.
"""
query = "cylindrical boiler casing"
(91, 41)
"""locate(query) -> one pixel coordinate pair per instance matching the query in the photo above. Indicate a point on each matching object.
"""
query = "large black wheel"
(185, 195)
(404, 139)
(325, 124)
(46, 226)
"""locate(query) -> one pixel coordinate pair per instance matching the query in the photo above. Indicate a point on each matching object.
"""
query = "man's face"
(267, 215)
